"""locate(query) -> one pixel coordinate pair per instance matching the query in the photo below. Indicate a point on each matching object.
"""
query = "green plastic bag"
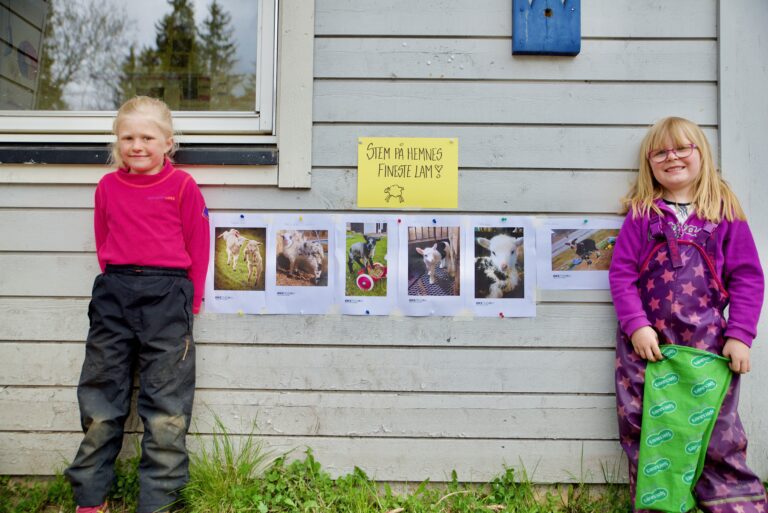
(682, 398)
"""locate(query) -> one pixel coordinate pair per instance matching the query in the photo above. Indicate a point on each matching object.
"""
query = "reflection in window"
(79, 55)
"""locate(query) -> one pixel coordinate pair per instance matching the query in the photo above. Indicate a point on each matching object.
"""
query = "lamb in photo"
(497, 274)
(584, 249)
(234, 241)
(312, 253)
(362, 253)
(288, 245)
(440, 255)
(253, 260)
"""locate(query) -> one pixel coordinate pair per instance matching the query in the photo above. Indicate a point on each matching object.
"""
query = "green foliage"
(125, 489)
(234, 474)
(225, 476)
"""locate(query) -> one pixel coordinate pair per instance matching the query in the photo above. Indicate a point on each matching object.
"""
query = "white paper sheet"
(575, 253)
(431, 284)
(300, 252)
(501, 253)
(367, 244)
(236, 272)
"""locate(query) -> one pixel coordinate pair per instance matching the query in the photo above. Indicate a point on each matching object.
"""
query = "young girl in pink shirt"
(152, 242)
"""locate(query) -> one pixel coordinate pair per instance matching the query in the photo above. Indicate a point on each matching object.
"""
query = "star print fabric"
(684, 301)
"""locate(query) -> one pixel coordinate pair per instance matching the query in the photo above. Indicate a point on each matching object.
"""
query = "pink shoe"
(104, 508)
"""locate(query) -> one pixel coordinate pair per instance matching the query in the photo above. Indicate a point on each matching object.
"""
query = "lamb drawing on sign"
(394, 191)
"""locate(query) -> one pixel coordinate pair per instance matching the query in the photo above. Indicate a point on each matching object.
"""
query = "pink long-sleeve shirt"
(153, 220)
(736, 262)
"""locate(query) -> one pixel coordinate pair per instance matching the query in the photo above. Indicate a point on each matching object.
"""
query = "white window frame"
(256, 127)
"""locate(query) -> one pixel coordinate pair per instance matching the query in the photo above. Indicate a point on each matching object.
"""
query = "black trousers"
(139, 317)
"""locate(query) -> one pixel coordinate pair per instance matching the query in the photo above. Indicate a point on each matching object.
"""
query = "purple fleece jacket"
(736, 261)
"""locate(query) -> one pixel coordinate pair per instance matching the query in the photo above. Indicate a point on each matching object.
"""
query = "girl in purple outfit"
(684, 252)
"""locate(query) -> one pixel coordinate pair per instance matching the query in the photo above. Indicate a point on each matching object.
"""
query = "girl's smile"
(677, 175)
(142, 145)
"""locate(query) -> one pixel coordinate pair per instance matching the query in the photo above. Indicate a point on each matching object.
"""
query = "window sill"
(88, 154)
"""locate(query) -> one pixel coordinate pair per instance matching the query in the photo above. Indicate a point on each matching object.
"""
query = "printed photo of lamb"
(434, 255)
(302, 258)
(583, 249)
(239, 258)
(366, 259)
(499, 269)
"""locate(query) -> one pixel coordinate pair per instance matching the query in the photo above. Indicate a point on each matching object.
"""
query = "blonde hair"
(153, 109)
(713, 199)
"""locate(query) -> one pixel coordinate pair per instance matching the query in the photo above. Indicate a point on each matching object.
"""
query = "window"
(66, 65)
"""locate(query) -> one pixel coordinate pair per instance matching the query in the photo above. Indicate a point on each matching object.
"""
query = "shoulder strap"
(660, 229)
(706, 240)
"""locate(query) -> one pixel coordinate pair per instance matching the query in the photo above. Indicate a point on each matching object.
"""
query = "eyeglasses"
(682, 152)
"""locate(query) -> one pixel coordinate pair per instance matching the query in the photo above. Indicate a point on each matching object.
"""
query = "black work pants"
(139, 317)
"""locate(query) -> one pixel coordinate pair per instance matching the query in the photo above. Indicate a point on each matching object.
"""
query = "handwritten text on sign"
(415, 172)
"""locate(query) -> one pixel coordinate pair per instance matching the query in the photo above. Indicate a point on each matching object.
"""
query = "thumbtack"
(301, 218)
(586, 221)
(367, 312)
(240, 313)
(242, 216)
(501, 315)
(399, 220)
(503, 219)
(434, 221)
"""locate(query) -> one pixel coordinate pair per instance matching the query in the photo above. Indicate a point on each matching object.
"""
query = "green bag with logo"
(682, 398)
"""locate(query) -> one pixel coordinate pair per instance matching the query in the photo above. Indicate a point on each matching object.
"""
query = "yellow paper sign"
(407, 172)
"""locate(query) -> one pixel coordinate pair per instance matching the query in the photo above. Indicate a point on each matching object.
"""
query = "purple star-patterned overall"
(684, 300)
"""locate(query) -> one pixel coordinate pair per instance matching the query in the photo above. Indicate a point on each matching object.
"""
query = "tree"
(49, 89)
(218, 56)
(84, 42)
(177, 52)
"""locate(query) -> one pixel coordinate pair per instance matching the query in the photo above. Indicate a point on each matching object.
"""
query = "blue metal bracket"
(546, 27)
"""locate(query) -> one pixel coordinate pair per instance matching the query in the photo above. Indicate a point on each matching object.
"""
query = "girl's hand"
(645, 341)
(738, 352)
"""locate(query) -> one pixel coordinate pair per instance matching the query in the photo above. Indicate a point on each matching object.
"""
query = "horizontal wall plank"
(599, 18)
(47, 230)
(348, 368)
(65, 320)
(511, 103)
(492, 59)
(383, 459)
(335, 190)
(346, 414)
(45, 196)
(524, 147)
(40, 274)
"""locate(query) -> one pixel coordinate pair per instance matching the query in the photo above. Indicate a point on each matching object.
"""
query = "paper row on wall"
(415, 265)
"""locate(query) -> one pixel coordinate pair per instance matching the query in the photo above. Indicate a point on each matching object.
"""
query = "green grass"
(234, 474)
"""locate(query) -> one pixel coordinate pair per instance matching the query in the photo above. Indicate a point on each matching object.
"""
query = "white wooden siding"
(405, 399)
